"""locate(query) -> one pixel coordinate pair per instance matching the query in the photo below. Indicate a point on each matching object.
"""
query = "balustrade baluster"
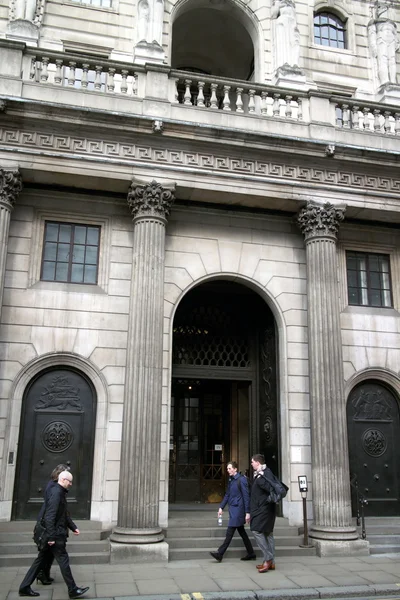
(134, 84)
(58, 73)
(85, 75)
(44, 74)
(32, 73)
(97, 79)
(124, 82)
(346, 116)
(71, 74)
(366, 123)
(288, 108)
(252, 104)
(397, 123)
(264, 105)
(299, 109)
(276, 107)
(239, 101)
(377, 122)
(226, 103)
(387, 126)
(176, 91)
(188, 96)
(110, 80)
(355, 118)
(214, 99)
(200, 96)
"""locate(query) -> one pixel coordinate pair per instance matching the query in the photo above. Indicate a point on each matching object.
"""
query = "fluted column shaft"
(330, 466)
(138, 504)
(10, 187)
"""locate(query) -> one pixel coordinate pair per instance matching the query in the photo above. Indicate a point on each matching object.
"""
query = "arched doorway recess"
(57, 426)
(232, 39)
(373, 420)
(224, 388)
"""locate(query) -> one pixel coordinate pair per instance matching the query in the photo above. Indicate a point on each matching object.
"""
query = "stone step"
(74, 546)
(25, 560)
(26, 536)
(213, 532)
(384, 548)
(383, 539)
(198, 553)
(206, 542)
(27, 526)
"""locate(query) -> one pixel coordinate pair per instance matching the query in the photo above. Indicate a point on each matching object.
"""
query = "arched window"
(329, 30)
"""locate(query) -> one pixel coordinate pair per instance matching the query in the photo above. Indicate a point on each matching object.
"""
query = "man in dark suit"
(262, 513)
(57, 522)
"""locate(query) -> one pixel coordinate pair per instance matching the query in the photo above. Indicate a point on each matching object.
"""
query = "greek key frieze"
(112, 149)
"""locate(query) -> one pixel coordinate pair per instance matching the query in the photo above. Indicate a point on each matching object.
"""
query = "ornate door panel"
(374, 430)
(57, 426)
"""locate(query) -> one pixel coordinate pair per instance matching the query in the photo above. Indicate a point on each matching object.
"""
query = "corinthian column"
(332, 531)
(138, 533)
(10, 187)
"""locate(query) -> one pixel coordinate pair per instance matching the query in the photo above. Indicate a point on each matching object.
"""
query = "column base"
(139, 553)
(341, 547)
(334, 534)
(125, 535)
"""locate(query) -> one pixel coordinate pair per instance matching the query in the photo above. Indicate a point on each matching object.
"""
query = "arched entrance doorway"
(57, 426)
(373, 419)
(224, 389)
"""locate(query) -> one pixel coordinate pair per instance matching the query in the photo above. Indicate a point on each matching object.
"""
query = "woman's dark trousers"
(228, 538)
(60, 553)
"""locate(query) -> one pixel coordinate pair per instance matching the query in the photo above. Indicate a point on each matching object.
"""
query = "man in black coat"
(262, 513)
(57, 522)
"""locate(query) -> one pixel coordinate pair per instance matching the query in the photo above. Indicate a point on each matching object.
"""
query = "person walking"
(57, 522)
(237, 496)
(44, 574)
(263, 513)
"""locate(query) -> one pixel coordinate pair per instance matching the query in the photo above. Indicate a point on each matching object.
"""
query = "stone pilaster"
(10, 187)
(138, 534)
(332, 531)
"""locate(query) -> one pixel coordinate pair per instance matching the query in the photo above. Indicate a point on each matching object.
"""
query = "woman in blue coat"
(238, 498)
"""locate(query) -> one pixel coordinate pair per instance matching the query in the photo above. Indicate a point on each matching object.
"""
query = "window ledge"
(345, 51)
(76, 288)
(371, 310)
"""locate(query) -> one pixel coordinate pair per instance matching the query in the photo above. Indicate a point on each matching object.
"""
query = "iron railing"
(361, 502)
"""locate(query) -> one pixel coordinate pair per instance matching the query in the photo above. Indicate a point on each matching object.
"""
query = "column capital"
(150, 199)
(10, 187)
(320, 220)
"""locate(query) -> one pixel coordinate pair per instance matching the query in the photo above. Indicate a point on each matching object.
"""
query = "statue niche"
(149, 31)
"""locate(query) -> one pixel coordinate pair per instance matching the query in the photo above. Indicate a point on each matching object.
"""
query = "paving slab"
(116, 589)
(311, 580)
(222, 596)
(190, 585)
(166, 586)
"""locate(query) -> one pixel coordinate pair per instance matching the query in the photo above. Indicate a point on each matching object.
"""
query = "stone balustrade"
(241, 97)
(368, 117)
(83, 73)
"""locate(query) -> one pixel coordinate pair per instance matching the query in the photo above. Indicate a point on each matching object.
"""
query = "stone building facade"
(199, 256)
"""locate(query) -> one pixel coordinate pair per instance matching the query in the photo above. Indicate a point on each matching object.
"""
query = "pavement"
(295, 578)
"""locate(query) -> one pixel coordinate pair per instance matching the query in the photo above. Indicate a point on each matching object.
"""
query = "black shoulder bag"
(40, 535)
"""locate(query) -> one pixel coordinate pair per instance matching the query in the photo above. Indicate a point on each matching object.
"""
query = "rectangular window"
(70, 253)
(101, 3)
(368, 279)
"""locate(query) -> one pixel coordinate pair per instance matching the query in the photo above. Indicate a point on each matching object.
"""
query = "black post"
(305, 541)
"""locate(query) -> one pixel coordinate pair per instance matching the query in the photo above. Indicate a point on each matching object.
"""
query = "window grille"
(329, 30)
(368, 279)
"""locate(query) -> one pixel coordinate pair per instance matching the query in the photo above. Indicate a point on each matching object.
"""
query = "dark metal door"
(199, 436)
(374, 430)
(57, 426)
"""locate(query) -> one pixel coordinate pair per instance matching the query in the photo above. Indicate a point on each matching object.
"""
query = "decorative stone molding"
(150, 199)
(3, 105)
(71, 146)
(10, 187)
(316, 220)
(27, 10)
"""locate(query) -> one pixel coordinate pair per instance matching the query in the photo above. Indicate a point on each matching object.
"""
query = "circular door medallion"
(57, 436)
(374, 442)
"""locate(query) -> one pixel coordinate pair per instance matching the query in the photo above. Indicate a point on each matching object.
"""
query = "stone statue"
(150, 21)
(383, 43)
(287, 34)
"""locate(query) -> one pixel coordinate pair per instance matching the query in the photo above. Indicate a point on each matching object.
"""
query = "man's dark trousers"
(60, 553)
(228, 538)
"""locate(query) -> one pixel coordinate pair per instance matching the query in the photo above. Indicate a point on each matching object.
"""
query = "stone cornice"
(10, 187)
(148, 152)
(317, 220)
(150, 200)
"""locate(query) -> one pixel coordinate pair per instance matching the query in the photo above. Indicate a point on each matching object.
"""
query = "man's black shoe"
(27, 591)
(217, 556)
(249, 557)
(78, 592)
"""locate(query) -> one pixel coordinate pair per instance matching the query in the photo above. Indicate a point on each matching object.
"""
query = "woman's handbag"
(40, 536)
